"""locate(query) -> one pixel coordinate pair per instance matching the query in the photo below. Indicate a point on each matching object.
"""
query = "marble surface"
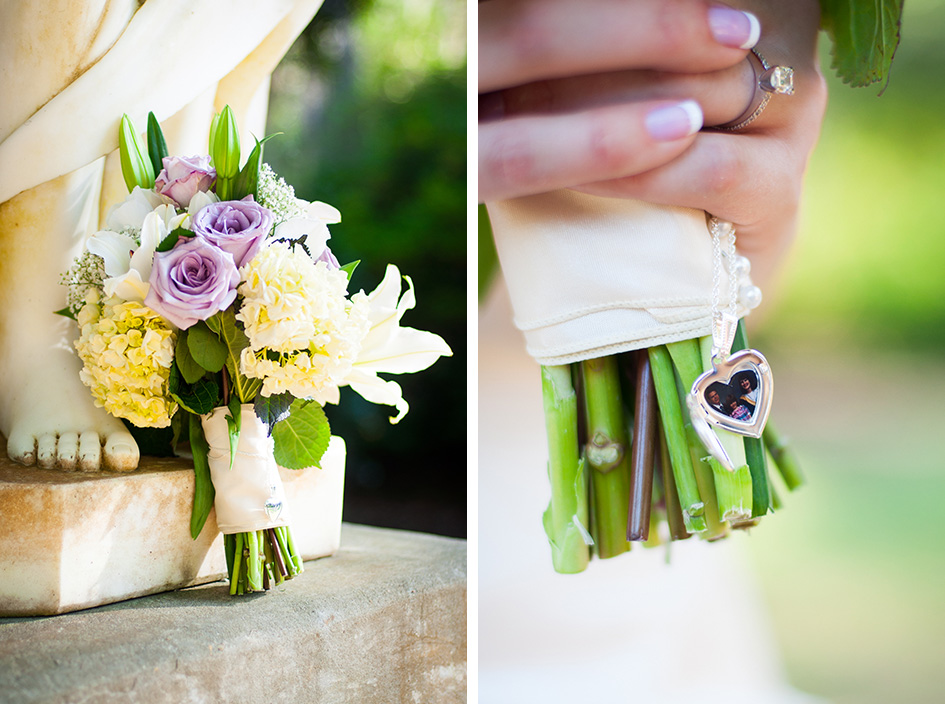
(73, 540)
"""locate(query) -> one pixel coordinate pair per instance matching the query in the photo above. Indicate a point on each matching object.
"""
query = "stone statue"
(69, 69)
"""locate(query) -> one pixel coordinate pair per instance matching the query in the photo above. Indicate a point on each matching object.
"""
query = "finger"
(526, 155)
(737, 179)
(754, 183)
(527, 40)
(723, 95)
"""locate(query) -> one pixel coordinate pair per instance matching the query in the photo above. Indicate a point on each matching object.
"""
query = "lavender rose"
(183, 177)
(329, 258)
(191, 282)
(235, 226)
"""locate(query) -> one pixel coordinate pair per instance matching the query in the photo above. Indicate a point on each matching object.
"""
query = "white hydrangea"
(304, 333)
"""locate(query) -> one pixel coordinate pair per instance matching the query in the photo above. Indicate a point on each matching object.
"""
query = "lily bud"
(135, 165)
(225, 145)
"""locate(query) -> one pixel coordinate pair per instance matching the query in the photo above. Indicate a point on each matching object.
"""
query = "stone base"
(73, 540)
(382, 621)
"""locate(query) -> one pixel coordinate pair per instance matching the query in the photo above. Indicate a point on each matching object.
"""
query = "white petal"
(294, 228)
(130, 213)
(408, 351)
(322, 212)
(153, 230)
(376, 390)
(129, 287)
(114, 248)
(200, 201)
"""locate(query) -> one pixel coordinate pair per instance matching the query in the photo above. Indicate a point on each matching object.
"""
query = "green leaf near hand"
(206, 348)
(302, 438)
(230, 331)
(864, 35)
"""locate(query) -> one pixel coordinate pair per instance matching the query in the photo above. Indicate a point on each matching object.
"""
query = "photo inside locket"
(735, 399)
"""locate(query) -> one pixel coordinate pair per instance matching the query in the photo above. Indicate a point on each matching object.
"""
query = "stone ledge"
(384, 620)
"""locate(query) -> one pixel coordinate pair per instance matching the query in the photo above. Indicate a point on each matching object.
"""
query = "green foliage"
(188, 366)
(206, 348)
(233, 420)
(167, 244)
(234, 339)
(350, 267)
(301, 439)
(157, 147)
(272, 409)
(865, 35)
(247, 181)
(199, 397)
(203, 486)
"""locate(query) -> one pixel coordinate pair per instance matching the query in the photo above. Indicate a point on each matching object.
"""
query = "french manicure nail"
(671, 122)
(733, 27)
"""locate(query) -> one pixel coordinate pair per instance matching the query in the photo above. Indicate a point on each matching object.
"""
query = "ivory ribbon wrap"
(242, 492)
(590, 276)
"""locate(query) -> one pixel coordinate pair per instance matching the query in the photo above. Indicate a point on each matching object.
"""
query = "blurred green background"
(372, 103)
(854, 566)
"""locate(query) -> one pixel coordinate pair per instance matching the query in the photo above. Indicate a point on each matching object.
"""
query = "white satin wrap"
(242, 492)
(591, 276)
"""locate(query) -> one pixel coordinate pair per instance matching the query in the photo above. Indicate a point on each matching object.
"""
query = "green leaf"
(247, 181)
(65, 312)
(135, 165)
(167, 244)
(233, 419)
(207, 349)
(865, 36)
(350, 267)
(272, 409)
(203, 486)
(200, 397)
(301, 439)
(189, 369)
(157, 147)
(231, 333)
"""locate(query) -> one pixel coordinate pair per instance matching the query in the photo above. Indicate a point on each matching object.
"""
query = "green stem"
(237, 563)
(606, 454)
(566, 518)
(664, 379)
(783, 458)
(754, 449)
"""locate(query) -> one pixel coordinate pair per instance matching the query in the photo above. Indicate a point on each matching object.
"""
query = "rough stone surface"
(383, 621)
(74, 540)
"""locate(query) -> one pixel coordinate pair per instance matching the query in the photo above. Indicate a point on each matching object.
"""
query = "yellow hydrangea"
(127, 351)
(304, 333)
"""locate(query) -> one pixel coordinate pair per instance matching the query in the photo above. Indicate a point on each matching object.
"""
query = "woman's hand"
(570, 109)
(575, 91)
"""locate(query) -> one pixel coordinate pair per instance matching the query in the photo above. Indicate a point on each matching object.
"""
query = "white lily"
(314, 223)
(130, 213)
(390, 348)
(128, 264)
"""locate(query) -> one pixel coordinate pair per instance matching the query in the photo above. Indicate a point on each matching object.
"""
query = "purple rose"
(329, 258)
(182, 177)
(191, 282)
(235, 226)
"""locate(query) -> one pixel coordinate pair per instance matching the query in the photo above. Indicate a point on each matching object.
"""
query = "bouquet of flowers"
(212, 304)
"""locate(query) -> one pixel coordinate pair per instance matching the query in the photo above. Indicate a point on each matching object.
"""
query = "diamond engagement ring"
(771, 79)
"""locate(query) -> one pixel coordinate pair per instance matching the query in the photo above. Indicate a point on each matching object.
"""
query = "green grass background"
(854, 566)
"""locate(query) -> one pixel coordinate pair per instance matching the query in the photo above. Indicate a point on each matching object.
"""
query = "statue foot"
(51, 421)
(112, 449)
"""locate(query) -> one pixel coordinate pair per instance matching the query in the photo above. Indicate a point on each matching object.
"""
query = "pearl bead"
(749, 296)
